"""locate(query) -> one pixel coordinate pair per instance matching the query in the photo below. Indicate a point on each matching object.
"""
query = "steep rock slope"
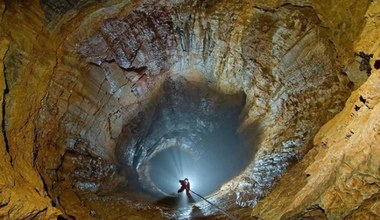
(339, 177)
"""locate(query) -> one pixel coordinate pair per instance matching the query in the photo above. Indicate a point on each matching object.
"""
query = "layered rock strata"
(339, 177)
(76, 76)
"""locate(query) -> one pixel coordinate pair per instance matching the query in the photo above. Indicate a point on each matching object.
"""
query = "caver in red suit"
(185, 184)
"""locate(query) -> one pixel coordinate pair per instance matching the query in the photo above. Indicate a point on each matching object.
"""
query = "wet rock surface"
(81, 82)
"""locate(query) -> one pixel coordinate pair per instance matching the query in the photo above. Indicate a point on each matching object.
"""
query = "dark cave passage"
(193, 134)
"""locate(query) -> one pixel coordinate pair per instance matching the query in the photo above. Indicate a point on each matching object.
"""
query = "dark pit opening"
(193, 134)
(377, 64)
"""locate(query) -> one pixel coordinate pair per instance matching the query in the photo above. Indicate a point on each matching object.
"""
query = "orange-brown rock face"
(339, 177)
(22, 192)
(93, 91)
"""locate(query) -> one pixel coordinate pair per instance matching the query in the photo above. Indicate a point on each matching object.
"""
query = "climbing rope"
(220, 209)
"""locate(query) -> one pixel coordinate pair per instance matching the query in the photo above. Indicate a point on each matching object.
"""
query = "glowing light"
(194, 136)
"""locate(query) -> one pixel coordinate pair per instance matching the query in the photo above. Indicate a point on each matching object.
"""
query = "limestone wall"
(74, 77)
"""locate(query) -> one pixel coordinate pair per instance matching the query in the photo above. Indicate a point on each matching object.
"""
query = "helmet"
(186, 179)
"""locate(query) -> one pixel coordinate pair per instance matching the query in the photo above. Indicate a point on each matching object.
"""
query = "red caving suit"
(184, 185)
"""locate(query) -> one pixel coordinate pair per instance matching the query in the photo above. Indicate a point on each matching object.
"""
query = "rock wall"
(339, 177)
(75, 76)
(23, 83)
